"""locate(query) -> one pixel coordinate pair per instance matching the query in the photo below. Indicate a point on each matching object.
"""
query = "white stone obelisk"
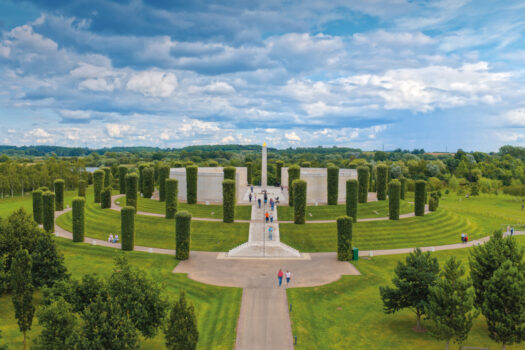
(264, 169)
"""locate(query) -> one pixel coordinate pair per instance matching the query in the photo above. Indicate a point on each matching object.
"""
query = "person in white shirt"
(110, 238)
(288, 276)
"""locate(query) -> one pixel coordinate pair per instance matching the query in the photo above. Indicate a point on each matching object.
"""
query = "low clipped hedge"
(363, 174)
(48, 217)
(172, 192)
(78, 218)
(164, 174)
(394, 190)
(122, 172)
(344, 238)
(127, 227)
(229, 173)
(182, 235)
(132, 187)
(332, 184)
(98, 184)
(37, 206)
(59, 185)
(82, 185)
(381, 181)
(191, 184)
(105, 198)
(419, 197)
(299, 207)
(351, 199)
(294, 173)
(228, 200)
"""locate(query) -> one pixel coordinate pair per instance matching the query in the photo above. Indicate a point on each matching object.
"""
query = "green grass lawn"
(242, 212)
(9, 205)
(376, 209)
(348, 314)
(440, 227)
(217, 308)
(160, 232)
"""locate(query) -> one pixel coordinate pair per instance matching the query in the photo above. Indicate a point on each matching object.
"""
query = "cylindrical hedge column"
(98, 184)
(122, 172)
(278, 166)
(228, 200)
(249, 172)
(419, 197)
(394, 190)
(191, 184)
(48, 218)
(172, 193)
(344, 238)
(182, 235)
(148, 183)
(381, 181)
(229, 173)
(37, 206)
(403, 187)
(78, 219)
(433, 201)
(127, 227)
(332, 184)
(59, 185)
(164, 174)
(351, 199)
(371, 175)
(299, 206)
(82, 185)
(105, 198)
(132, 187)
(108, 177)
(362, 178)
(294, 173)
(141, 178)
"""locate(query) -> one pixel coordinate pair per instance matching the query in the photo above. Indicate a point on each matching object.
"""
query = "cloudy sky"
(426, 74)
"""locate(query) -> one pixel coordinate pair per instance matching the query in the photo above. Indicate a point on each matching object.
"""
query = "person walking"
(271, 217)
(511, 231)
(267, 216)
(270, 231)
(251, 188)
(280, 277)
(288, 276)
(259, 201)
(271, 203)
(462, 238)
(250, 197)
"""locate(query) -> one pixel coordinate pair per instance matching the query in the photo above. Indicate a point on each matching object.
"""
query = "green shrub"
(229, 173)
(278, 166)
(132, 187)
(172, 201)
(127, 228)
(148, 183)
(294, 173)
(48, 215)
(381, 181)
(59, 186)
(108, 177)
(513, 190)
(37, 206)
(344, 238)
(122, 172)
(141, 178)
(105, 198)
(299, 207)
(191, 184)
(44, 189)
(78, 219)
(249, 171)
(213, 164)
(363, 178)
(306, 164)
(228, 200)
(351, 199)
(474, 189)
(332, 185)
(419, 197)
(394, 192)
(182, 235)
(98, 184)
(433, 201)
(178, 164)
(82, 185)
(403, 188)
(164, 174)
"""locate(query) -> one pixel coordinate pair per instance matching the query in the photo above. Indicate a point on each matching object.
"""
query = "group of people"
(112, 239)
(464, 238)
(268, 217)
(287, 275)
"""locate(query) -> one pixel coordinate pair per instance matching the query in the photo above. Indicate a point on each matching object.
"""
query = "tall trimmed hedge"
(403, 187)
(332, 184)
(394, 190)
(48, 213)
(148, 183)
(294, 173)
(108, 177)
(172, 193)
(419, 197)
(278, 166)
(105, 198)
(433, 201)
(78, 219)
(229, 173)
(37, 206)
(228, 200)
(164, 174)
(371, 177)
(98, 184)
(132, 188)
(122, 172)
(344, 238)
(249, 172)
(381, 181)
(82, 185)
(59, 186)
(299, 207)
(363, 178)
(141, 178)
(182, 235)
(351, 199)
(127, 228)
(191, 184)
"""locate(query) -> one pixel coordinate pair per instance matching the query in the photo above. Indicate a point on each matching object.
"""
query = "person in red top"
(280, 277)
(267, 216)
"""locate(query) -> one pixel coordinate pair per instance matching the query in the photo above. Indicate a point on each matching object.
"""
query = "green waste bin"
(356, 254)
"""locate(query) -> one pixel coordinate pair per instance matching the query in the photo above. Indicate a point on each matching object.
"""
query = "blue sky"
(371, 74)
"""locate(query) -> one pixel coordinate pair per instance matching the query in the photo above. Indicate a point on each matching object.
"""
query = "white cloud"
(382, 37)
(193, 127)
(228, 139)
(515, 117)
(98, 85)
(292, 136)
(153, 83)
(118, 130)
(79, 115)
(40, 136)
(4, 51)
(164, 135)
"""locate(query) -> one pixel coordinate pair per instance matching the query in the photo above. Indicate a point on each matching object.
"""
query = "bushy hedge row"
(48, 205)
(294, 173)
(59, 186)
(105, 198)
(132, 186)
(228, 200)
(249, 172)
(229, 173)
(394, 190)
(127, 228)
(78, 219)
(515, 190)
(172, 193)
(363, 174)
(37, 206)
(381, 181)
(108, 177)
(149, 182)
(419, 198)
(299, 207)
(332, 184)
(351, 199)
(164, 174)
(182, 235)
(278, 166)
(191, 184)
(344, 238)
(98, 184)
(82, 185)
(122, 172)
(403, 187)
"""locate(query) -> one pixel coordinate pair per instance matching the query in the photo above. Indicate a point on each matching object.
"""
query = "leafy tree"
(22, 288)
(451, 304)
(48, 262)
(412, 285)
(181, 329)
